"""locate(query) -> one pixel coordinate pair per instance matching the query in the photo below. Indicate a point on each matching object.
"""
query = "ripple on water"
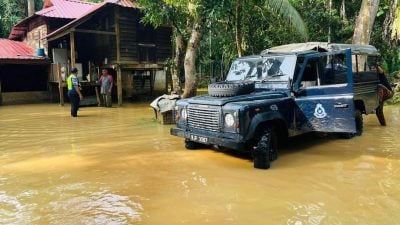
(95, 208)
(310, 214)
(13, 211)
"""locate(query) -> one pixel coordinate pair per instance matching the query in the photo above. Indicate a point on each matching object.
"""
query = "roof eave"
(62, 31)
(44, 61)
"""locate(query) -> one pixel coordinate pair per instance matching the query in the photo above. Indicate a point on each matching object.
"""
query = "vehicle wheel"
(191, 145)
(359, 126)
(347, 135)
(230, 88)
(265, 148)
(359, 123)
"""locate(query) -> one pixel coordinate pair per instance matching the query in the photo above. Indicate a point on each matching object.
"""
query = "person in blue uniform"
(74, 91)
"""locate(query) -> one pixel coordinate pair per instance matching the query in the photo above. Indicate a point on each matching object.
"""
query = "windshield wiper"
(277, 75)
(270, 78)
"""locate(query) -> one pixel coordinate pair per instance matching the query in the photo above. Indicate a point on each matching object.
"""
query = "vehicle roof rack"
(356, 49)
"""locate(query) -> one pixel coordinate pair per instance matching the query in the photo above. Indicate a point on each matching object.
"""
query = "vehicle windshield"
(263, 68)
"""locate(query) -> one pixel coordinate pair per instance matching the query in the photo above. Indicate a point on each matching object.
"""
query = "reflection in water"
(119, 166)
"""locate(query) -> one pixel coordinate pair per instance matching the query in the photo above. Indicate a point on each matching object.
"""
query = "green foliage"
(287, 12)
(395, 99)
(264, 23)
(160, 12)
(12, 12)
(390, 53)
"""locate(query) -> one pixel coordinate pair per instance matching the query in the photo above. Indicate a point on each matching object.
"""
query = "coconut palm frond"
(288, 12)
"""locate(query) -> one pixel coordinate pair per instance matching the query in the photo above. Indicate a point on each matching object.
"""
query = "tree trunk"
(365, 21)
(190, 59)
(178, 63)
(363, 28)
(31, 7)
(343, 12)
(238, 30)
(389, 32)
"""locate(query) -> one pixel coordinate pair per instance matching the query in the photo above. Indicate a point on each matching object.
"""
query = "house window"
(147, 52)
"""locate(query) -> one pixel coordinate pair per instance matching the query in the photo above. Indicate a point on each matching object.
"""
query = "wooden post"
(119, 85)
(166, 81)
(60, 84)
(118, 46)
(1, 97)
(72, 44)
(96, 89)
(152, 80)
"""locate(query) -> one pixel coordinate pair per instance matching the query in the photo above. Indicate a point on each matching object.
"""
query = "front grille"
(204, 117)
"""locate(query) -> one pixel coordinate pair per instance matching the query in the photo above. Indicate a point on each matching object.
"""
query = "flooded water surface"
(119, 166)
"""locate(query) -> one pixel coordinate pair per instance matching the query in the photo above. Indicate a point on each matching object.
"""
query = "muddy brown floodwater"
(119, 166)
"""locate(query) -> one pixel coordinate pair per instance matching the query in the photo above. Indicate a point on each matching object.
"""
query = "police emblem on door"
(319, 111)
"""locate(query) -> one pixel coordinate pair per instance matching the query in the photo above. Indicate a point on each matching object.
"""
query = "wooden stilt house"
(110, 35)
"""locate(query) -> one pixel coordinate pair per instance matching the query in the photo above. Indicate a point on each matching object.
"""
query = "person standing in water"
(106, 83)
(74, 91)
(385, 92)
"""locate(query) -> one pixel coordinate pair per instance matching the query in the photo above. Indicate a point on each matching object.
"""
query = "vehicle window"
(363, 61)
(271, 68)
(310, 74)
(325, 70)
(239, 70)
(334, 70)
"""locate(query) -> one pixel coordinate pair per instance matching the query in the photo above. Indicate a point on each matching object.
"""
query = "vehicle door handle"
(341, 105)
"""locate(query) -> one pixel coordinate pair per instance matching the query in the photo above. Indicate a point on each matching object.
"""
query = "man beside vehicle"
(385, 92)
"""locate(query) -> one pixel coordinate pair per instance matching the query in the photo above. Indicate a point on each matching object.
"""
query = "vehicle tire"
(359, 123)
(359, 126)
(190, 145)
(265, 148)
(347, 135)
(230, 88)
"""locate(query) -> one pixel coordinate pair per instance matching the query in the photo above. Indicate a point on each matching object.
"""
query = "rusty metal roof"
(15, 50)
(66, 9)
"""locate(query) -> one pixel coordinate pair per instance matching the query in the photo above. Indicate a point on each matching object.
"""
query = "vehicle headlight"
(183, 113)
(229, 120)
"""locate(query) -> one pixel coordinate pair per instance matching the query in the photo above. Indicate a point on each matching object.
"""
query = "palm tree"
(282, 7)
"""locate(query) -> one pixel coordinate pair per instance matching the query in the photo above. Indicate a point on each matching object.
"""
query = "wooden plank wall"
(164, 45)
(129, 49)
(129, 24)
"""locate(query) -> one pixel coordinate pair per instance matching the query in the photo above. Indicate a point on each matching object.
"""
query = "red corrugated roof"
(92, 11)
(11, 50)
(124, 3)
(67, 9)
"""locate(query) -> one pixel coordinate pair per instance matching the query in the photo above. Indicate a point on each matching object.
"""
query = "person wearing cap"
(74, 91)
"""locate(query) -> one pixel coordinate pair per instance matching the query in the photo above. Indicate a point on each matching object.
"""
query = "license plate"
(200, 139)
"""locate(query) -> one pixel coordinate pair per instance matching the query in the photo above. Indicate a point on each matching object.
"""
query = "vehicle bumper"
(208, 139)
